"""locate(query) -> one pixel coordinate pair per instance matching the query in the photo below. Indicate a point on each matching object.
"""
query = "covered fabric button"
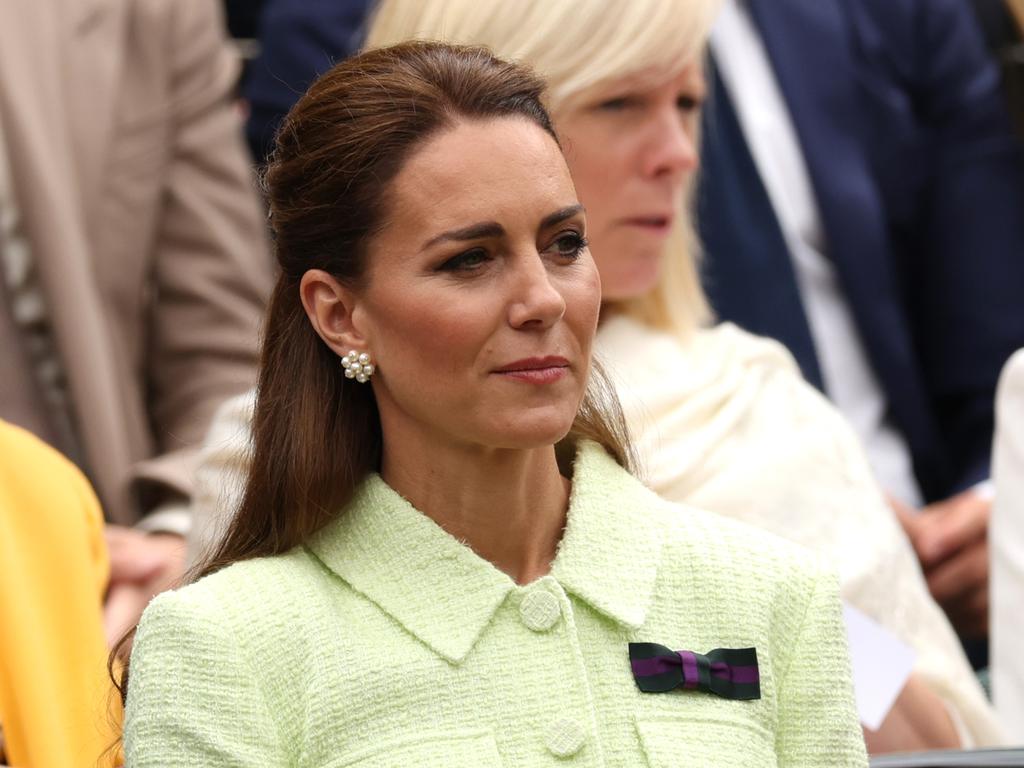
(539, 610)
(565, 738)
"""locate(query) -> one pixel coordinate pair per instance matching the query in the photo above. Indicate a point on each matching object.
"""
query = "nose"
(671, 148)
(535, 302)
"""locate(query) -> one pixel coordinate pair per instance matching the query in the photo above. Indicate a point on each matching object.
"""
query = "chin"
(629, 293)
(534, 431)
(636, 282)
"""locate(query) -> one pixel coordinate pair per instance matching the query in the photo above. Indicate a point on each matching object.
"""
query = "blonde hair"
(579, 47)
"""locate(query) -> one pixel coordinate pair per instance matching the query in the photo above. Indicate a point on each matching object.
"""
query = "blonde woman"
(722, 419)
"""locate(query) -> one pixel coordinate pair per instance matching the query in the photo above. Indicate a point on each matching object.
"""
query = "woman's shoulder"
(724, 342)
(57, 501)
(235, 598)
(743, 585)
(29, 461)
(661, 367)
(749, 555)
(1012, 377)
(695, 543)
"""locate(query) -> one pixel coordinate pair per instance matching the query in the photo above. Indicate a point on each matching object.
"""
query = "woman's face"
(631, 148)
(481, 298)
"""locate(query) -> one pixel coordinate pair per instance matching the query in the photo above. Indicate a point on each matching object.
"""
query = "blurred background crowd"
(859, 200)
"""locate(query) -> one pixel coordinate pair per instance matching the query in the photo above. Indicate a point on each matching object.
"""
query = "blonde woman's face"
(631, 148)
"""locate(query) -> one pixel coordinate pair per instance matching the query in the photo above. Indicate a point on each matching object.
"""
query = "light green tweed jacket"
(386, 642)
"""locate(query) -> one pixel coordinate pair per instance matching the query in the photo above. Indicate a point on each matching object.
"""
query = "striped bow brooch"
(727, 672)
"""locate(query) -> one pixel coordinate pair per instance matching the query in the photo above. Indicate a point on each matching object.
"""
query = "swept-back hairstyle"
(579, 47)
(316, 434)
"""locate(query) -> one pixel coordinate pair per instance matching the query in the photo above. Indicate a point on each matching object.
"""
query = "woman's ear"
(329, 306)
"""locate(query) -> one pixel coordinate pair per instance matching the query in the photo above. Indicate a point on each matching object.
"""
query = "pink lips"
(536, 370)
(658, 225)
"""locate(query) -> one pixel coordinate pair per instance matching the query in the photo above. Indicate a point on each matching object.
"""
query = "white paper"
(881, 666)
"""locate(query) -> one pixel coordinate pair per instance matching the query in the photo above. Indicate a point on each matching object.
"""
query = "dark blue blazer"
(920, 187)
(299, 40)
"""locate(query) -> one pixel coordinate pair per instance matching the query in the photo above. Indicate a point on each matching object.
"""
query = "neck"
(509, 506)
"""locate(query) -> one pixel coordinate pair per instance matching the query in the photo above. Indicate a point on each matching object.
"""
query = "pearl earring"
(357, 366)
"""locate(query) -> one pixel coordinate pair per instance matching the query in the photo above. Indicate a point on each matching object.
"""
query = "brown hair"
(316, 434)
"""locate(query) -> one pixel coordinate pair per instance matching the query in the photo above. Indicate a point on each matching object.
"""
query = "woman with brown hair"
(440, 558)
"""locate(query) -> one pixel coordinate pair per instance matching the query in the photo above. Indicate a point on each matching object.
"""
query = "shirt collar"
(444, 594)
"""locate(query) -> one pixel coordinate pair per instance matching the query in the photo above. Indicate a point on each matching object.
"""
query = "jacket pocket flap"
(460, 749)
(704, 741)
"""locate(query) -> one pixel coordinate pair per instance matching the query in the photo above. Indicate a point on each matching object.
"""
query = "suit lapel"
(808, 46)
(92, 66)
(33, 97)
(809, 43)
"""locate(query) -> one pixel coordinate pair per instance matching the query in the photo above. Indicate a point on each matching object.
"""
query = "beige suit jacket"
(144, 225)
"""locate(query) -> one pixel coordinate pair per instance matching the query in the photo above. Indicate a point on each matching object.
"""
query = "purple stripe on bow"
(691, 674)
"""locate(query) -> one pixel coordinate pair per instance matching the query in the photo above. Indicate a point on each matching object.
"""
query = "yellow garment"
(54, 692)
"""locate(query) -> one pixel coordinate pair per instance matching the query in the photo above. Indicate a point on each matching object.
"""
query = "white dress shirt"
(849, 379)
(1006, 538)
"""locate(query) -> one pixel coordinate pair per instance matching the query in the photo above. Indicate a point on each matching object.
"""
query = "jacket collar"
(445, 595)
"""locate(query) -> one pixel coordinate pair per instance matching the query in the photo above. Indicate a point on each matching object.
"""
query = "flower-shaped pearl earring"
(357, 366)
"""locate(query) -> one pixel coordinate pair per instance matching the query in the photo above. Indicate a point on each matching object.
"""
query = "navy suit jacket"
(920, 187)
(299, 41)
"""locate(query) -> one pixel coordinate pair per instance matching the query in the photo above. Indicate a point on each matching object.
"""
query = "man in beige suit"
(135, 265)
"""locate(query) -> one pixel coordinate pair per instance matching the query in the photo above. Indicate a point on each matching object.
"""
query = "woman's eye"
(616, 104)
(466, 261)
(569, 245)
(688, 104)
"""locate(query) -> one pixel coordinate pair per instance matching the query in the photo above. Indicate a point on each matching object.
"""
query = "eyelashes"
(570, 244)
(467, 261)
(567, 246)
(685, 103)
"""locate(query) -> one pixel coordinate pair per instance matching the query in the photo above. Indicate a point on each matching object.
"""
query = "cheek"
(595, 180)
(426, 337)
(596, 164)
(629, 269)
(583, 304)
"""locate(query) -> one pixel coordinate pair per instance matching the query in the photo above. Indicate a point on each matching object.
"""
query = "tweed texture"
(386, 642)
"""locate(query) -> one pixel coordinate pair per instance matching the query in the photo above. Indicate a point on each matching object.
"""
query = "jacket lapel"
(611, 549)
(811, 46)
(92, 65)
(39, 133)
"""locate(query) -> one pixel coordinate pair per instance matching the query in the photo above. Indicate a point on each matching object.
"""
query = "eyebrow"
(494, 229)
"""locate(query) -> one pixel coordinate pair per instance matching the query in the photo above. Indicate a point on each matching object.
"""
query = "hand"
(141, 566)
(951, 541)
(918, 721)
